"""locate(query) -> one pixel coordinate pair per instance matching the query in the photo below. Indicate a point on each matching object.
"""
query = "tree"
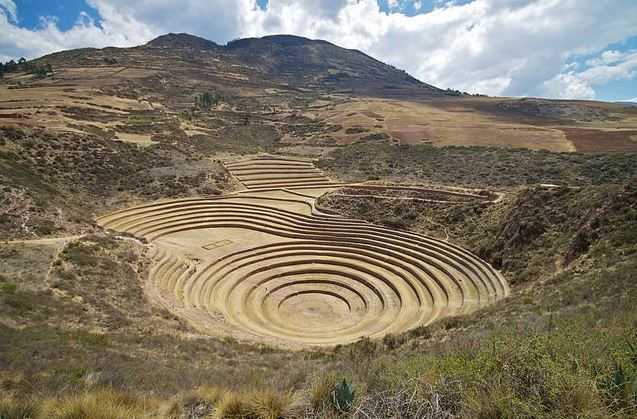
(39, 72)
(207, 99)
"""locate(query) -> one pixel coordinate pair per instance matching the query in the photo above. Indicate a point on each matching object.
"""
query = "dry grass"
(13, 408)
(415, 123)
(212, 394)
(196, 403)
(267, 404)
(232, 405)
(255, 404)
(321, 393)
(99, 404)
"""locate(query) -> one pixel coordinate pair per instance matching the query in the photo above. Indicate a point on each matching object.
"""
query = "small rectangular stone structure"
(217, 244)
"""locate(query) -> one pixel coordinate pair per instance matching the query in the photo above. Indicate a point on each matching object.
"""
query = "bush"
(413, 399)
(8, 288)
(268, 404)
(11, 408)
(256, 404)
(100, 404)
(621, 387)
(343, 396)
(321, 393)
(232, 405)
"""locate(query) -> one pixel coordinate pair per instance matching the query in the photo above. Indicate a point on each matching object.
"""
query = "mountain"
(181, 40)
(303, 60)
(300, 62)
(273, 60)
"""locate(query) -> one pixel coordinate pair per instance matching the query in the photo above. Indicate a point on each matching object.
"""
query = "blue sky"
(625, 88)
(583, 49)
(66, 12)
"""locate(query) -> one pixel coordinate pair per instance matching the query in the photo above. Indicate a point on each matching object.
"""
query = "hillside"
(300, 62)
(340, 96)
(283, 60)
(280, 227)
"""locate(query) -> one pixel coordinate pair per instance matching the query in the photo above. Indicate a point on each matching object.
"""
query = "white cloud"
(493, 46)
(568, 86)
(624, 67)
(500, 47)
(608, 66)
(10, 9)
(116, 29)
(607, 57)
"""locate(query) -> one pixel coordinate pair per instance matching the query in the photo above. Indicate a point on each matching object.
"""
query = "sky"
(575, 49)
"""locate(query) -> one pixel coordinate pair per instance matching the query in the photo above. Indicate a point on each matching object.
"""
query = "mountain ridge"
(181, 39)
(290, 60)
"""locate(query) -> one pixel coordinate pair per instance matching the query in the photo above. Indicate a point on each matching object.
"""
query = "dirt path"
(47, 240)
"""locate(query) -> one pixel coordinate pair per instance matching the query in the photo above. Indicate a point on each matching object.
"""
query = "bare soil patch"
(602, 141)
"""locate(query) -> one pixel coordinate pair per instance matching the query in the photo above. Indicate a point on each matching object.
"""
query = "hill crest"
(299, 61)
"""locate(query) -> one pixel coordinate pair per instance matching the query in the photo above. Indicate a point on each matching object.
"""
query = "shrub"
(321, 392)
(232, 405)
(99, 404)
(11, 408)
(20, 301)
(343, 396)
(268, 404)
(621, 387)
(413, 399)
(8, 288)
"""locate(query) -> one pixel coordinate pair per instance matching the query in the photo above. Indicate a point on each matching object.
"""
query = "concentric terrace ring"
(267, 266)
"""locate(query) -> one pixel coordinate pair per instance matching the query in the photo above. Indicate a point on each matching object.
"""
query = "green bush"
(343, 396)
(8, 288)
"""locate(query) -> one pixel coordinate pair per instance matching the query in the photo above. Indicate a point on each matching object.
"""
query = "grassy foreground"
(574, 368)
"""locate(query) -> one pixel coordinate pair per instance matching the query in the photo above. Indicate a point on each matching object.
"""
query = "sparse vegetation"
(38, 70)
(80, 338)
(80, 179)
(477, 166)
(206, 99)
(531, 234)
